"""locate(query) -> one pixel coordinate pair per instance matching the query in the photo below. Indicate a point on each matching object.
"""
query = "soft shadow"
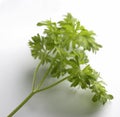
(61, 101)
(66, 102)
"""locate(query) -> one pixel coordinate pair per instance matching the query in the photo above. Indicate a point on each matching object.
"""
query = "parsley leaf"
(63, 45)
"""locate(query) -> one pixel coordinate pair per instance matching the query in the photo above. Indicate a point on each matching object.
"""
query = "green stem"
(31, 94)
(52, 85)
(35, 74)
(21, 104)
(44, 77)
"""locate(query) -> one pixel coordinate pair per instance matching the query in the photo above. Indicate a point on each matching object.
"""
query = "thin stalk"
(35, 74)
(21, 104)
(44, 77)
(52, 85)
(31, 94)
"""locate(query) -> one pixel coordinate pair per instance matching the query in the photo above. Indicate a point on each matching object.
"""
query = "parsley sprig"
(62, 47)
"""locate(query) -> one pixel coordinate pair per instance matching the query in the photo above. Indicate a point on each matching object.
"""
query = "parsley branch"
(35, 75)
(63, 46)
(52, 85)
(44, 77)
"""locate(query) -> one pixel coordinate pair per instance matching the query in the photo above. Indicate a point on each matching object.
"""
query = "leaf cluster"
(63, 45)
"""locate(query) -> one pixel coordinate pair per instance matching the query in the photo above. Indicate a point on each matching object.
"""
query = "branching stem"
(33, 93)
(52, 85)
(34, 89)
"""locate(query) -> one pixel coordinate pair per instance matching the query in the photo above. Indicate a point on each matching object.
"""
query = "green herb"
(62, 47)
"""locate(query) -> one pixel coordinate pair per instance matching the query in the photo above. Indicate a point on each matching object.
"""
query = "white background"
(18, 20)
